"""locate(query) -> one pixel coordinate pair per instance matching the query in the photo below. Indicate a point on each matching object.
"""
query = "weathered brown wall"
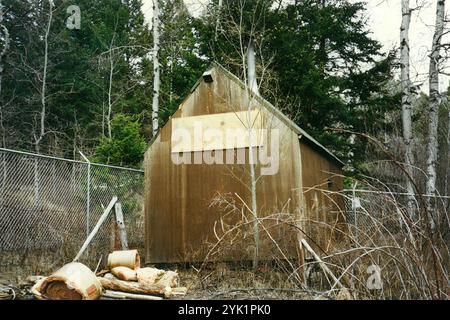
(179, 215)
(324, 212)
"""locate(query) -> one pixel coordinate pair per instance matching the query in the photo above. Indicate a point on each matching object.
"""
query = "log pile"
(123, 279)
(142, 281)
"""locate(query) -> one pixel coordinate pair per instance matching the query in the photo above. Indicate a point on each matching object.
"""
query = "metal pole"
(88, 195)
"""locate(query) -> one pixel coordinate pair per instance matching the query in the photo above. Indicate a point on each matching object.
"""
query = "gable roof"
(280, 115)
(271, 108)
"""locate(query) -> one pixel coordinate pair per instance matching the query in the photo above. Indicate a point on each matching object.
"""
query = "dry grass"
(412, 260)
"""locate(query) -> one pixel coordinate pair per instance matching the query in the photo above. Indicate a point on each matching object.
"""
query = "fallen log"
(124, 273)
(169, 279)
(124, 258)
(74, 281)
(112, 283)
(149, 275)
(126, 295)
(157, 276)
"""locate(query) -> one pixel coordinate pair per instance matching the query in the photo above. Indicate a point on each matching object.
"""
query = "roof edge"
(280, 114)
(268, 105)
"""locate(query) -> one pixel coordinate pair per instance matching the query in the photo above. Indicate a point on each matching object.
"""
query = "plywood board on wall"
(217, 131)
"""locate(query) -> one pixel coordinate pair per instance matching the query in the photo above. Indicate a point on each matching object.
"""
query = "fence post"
(3, 188)
(88, 195)
(354, 209)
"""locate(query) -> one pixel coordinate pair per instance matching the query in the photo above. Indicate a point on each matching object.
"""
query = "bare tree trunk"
(447, 169)
(252, 87)
(435, 98)
(219, 8)
(41, 135)
(156, 79)
(406, 103)
(251, 67)
(5, 48)
(111, 72)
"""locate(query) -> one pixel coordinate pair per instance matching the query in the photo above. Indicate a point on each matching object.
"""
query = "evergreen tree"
(320, 64)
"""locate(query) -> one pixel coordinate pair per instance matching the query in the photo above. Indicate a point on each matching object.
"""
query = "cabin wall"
(322, 182)
(180, 217)
(188, 206)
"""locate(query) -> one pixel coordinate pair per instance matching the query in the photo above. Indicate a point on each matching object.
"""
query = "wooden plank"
(96, 228)
(121, 226)
(126, 295)
(216, 131)
(322, 264)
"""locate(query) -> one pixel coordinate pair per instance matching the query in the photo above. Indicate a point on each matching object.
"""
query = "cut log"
(157, 276)
(124, 273)
(124, 258)
(169, 279)
(126, 295)
(112, 283)
(149, 275)
(74, 281)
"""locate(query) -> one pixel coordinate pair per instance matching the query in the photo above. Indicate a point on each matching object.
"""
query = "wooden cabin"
(193, 200)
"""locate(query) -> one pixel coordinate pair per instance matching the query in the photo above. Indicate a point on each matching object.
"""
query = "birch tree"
(219, 8)
(42, 116)
(406, 101)
(156, 76)
(435, 99)
(252, 88)
(4, 49)
(111, 73)
(5, 46)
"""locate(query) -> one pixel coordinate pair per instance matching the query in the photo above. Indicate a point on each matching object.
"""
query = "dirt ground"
(219, 282)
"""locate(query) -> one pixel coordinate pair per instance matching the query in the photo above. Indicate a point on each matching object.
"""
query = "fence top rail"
(68, 160)
(393, 193)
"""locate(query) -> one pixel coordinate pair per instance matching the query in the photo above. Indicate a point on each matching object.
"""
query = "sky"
(384, 18)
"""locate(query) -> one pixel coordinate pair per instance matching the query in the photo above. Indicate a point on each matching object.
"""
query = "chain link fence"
(49, 205)
(369, 211)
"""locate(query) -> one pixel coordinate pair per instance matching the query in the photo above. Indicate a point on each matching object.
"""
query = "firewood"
(112, 283)
(74, 281)
(169, 279)
(149, 275)
(124, 258)
(124, 273)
